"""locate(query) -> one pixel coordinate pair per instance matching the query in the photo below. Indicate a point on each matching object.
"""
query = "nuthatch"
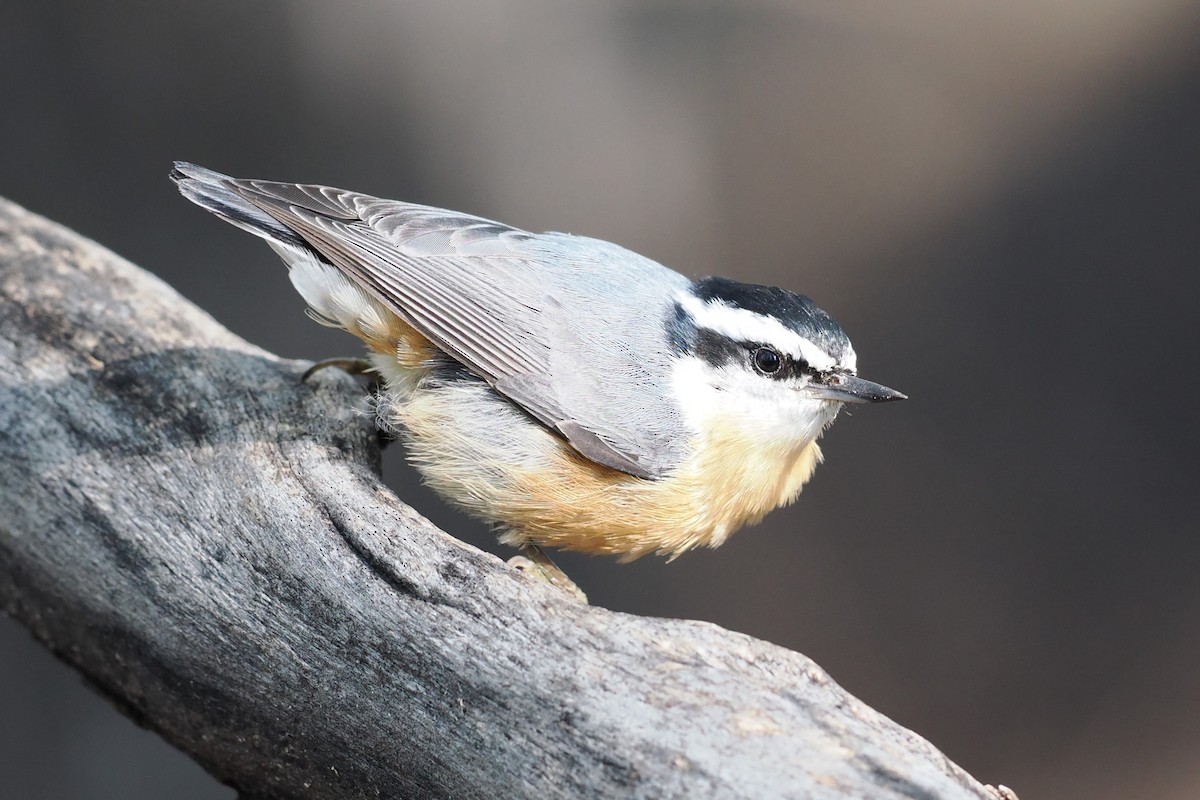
(573, 393)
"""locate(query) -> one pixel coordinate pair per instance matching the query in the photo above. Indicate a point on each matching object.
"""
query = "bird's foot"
(536, 563)
(1002, 792)
(358, 366)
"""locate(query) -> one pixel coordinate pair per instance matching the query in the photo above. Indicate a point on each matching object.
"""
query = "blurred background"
(1000, 202)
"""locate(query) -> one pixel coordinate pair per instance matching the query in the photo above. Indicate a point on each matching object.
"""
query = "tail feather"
(212, 190)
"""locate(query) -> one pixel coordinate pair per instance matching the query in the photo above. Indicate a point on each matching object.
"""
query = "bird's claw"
(351, 366)
(537, 564)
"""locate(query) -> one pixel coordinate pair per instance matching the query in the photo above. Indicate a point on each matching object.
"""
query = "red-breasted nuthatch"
(573, 393)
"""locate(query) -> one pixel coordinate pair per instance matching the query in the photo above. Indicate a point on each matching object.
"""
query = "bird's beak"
(846, 388)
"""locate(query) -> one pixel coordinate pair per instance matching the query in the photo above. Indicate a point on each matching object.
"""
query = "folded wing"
(528, 313)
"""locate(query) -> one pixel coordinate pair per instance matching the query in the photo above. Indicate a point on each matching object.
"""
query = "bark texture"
(206, 538)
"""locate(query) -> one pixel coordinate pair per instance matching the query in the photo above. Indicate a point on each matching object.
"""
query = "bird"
(572, 393)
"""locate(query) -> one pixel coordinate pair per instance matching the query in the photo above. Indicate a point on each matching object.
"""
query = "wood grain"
(206, 538)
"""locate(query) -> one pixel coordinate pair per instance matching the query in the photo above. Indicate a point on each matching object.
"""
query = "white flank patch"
(747, 326)
(334, 298)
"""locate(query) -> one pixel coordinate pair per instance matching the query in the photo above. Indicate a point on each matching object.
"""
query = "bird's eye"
(767, 361)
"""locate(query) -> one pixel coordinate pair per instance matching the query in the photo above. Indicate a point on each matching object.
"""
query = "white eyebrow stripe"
(747, 326)
(850, 358)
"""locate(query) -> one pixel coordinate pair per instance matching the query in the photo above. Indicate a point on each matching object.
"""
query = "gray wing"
(570, 329)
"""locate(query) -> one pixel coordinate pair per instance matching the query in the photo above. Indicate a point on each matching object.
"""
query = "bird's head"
(766, 361)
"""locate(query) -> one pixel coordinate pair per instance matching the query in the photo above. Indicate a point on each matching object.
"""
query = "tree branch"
(206, 538)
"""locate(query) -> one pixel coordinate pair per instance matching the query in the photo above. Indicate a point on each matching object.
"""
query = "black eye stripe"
(768, 361)
(719, 350)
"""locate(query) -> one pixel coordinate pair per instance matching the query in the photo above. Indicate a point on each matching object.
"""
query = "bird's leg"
(535, 562)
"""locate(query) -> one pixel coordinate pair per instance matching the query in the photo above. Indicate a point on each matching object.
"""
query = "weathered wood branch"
(207, 539)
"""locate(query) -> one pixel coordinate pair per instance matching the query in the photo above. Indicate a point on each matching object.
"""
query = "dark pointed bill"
(850, 389)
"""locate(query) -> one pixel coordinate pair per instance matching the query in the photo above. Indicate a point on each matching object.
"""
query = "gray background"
(998, 201)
